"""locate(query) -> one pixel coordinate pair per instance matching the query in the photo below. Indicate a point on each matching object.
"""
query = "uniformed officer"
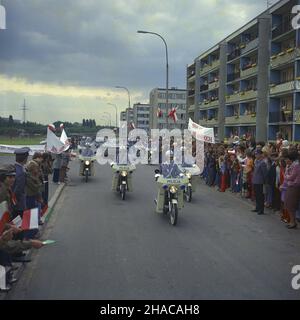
(20, 181)
(7, 179)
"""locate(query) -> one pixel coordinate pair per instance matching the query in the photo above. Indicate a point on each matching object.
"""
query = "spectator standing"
(259, 179)
(20, 181)
(56, 167)
(292, 178)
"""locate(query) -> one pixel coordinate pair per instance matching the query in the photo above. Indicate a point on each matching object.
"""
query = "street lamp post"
(167, 67)
(115, 106)
(119, 87)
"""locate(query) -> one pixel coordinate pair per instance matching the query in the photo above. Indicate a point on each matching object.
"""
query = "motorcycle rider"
(87, 152)
(167, 170)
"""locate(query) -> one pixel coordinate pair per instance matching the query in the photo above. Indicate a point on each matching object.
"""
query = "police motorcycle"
(122, 178)
(171, 186)
(87, 159)
(189, 171)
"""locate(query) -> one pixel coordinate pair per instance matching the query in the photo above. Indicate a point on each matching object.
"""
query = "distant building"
(159, 115)
(141, 116)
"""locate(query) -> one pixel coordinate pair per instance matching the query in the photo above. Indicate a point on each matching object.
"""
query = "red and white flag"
(30, 219)
(4, 216)
(173, 115)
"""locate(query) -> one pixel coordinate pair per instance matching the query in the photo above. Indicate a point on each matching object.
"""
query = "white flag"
(53, 143)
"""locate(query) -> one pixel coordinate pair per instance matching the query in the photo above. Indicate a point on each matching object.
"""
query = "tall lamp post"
(115, 106)
(119, 87)
(167, 67)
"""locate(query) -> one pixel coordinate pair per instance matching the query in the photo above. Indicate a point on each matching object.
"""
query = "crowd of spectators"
(266, 173)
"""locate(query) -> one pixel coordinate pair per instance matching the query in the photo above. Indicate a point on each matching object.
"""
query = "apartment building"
(159, 115)
(247, 84)
(141, 116)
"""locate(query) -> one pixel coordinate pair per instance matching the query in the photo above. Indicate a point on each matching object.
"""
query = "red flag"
(4, 216)
(172, 114)
(30, 219)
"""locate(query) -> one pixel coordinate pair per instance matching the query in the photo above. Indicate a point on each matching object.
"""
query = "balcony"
(244, 95)
(233, 98)
(212, 122)
(213, 103)
(284, 87)
(208, 104)
(191, 108)
(281, 29)
(249, 71)
(213, 85)
(284, 57)
(203, 122)
(232, 120)
(208, 67)
(248, 119)
(191, 93)
(249, 94)
(249, 46)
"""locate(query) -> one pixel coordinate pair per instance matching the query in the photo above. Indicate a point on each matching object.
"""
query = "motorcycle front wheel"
(173, 214)
(189, 194)
(123, 191)
(86, 175)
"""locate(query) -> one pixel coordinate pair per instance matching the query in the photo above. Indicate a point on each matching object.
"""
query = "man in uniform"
(20, 182)
(259, 179)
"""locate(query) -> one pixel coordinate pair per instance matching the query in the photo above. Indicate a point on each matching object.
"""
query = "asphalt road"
(112, 249)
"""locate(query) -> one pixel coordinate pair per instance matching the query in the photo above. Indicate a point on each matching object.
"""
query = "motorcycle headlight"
(189, 175)
(173, 189)
(124, 173)
(87, 163)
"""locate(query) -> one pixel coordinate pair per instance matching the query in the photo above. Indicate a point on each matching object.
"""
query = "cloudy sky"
(66, 56)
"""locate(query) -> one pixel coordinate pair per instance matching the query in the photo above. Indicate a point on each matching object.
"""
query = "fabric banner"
(201, 133)
(11, 148)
